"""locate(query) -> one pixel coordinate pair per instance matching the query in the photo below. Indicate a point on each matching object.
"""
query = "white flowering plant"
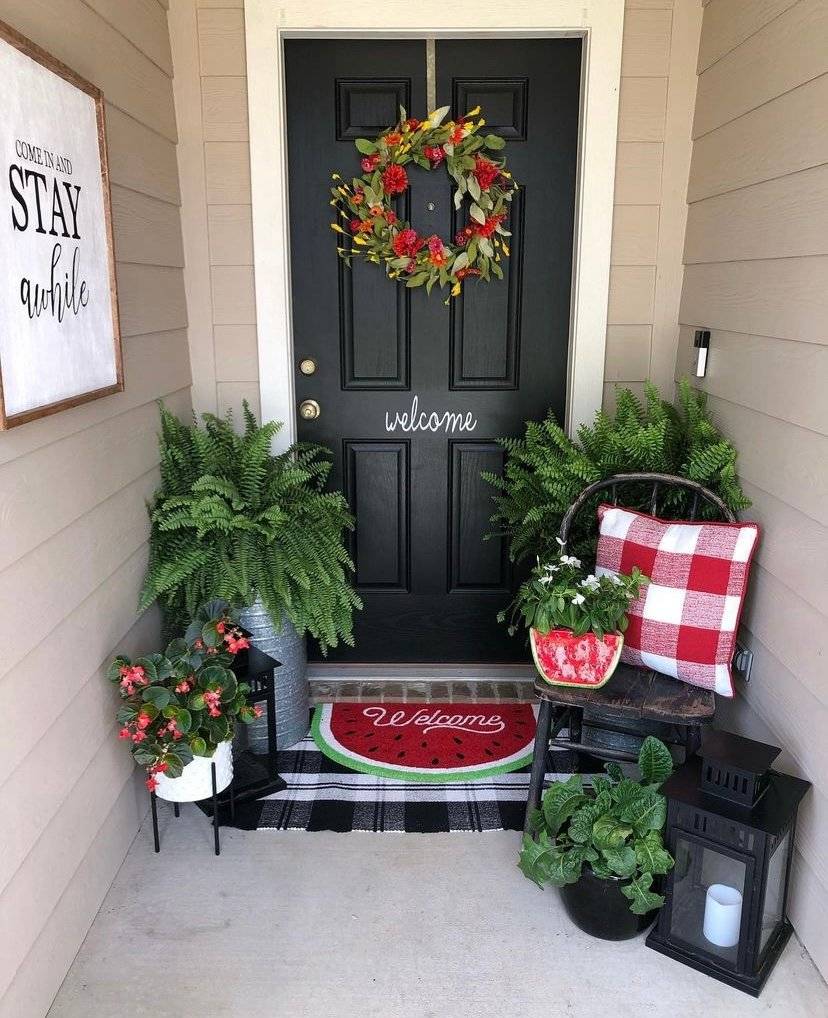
(561, 595)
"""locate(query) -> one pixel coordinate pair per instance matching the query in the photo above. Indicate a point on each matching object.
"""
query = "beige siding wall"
(73, 540)
(211, 95)
(756, 274)
(656, 104)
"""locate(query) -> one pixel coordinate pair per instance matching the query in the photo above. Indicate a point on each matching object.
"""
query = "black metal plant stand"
(177, 811)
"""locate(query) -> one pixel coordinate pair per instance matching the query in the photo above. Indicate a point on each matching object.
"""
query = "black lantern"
(730, 828)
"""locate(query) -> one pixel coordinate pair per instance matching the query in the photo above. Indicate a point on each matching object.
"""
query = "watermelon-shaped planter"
(432, 742)
(564, 659)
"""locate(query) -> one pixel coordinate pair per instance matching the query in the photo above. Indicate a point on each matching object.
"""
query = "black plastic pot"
(598, 907)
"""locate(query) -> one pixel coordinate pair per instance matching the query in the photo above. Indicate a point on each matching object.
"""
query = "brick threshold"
(401, 691)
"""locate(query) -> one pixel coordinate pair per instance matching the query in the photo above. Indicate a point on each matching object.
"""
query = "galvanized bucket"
(292, 692)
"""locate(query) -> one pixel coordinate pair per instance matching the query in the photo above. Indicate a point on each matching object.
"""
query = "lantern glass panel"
(773, 909)
(708, 897)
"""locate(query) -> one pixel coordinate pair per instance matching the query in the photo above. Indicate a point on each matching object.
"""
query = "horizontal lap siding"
(756, 274)
(73, 541)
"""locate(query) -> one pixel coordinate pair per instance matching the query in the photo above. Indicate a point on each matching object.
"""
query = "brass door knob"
(307, 366)
(309, 410)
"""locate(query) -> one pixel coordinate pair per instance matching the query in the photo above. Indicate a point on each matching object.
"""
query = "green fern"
(232, 520)
(546, 470)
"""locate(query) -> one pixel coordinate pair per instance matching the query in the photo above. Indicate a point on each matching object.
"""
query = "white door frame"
(599, 22)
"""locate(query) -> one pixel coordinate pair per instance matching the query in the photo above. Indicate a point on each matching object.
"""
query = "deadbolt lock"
(307, 366)
(309, 410)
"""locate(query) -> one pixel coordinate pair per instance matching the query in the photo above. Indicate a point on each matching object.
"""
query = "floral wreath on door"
(375, 233)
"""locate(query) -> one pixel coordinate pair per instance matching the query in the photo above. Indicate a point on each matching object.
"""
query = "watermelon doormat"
(474, 784)
(434, 742)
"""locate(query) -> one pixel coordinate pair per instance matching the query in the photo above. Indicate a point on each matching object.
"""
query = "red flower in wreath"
(436, 252)
(488, 228)
(370, 163)
(462, 237)
(458, 133)
(394, 138)
(406, 243)
(394, 179)
(412, 124)
(390, 217)
(486, 172)
(468, 271)
(434, 153)
(358, 198)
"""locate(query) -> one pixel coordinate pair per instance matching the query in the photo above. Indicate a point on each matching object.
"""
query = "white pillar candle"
(722, 915)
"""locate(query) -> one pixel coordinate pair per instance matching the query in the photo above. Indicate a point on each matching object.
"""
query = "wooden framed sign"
(60, 341)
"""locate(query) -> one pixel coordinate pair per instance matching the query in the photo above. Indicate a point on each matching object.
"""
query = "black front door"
(388, 358)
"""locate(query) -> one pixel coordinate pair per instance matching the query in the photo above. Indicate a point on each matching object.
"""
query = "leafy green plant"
(184, 702)
(558, 595)
(232, 520)
(546, 470)
(614, 828)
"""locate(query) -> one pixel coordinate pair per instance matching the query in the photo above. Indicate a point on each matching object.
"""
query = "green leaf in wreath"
(366, 147)
(622, 861)
(642, 899)
(474, 188)
(477, 214)
(438, 116)
(654, 761)
(561, 800)
(651, 855)
(460, 262)
(494, 142)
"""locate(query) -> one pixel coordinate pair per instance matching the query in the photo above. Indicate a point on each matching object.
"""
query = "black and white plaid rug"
(323, 795)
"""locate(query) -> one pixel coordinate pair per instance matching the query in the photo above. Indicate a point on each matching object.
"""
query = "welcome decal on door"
(436, 420)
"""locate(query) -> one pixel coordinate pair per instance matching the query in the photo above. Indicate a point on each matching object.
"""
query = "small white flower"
(591, 582)
(560, 542)
(570, 560)
(578, 599)
(616, 579)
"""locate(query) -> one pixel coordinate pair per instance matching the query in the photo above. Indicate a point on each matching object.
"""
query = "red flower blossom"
(370, 163)
(488, 228)
(462, 237)
(151, 783)
(411, 124)
(143, 720)
(183, 687)
(485, 171)
(220, 627)
(394, 179)
(198, 644)
(235, 641)
(411, 265)
(458, 133)
(139, 736)
(358, 197)
(376, 210)
(354, 225)
(434, 153)
(124, 733)
(407, 243)
(436, 251)
(394, 138)
(257, 710)
(468, 271)
(390, 217)
(212, 700)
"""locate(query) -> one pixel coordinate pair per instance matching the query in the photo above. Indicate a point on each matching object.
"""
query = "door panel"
(414, 393)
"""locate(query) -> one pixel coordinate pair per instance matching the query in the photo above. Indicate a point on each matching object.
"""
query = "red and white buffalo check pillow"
(684, 623)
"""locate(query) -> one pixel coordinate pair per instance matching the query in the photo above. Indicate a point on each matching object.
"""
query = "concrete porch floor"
(371, 925)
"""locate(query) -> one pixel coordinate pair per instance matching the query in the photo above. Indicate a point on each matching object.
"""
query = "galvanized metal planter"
(292, 691)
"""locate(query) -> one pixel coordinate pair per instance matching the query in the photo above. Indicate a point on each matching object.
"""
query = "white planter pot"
(196, 781)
